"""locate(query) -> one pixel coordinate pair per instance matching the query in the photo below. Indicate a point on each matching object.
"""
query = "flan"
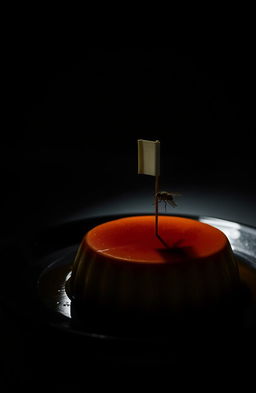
(123, 267)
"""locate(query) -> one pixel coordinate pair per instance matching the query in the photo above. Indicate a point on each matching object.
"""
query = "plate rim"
(39, 269)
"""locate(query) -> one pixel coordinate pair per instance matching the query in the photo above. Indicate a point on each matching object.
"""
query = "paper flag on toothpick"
(148, 157)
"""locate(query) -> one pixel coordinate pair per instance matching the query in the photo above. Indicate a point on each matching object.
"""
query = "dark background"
(72, 115)
(75, 113)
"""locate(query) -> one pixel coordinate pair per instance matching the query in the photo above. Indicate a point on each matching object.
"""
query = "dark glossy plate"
(51, 283)
(41, 299)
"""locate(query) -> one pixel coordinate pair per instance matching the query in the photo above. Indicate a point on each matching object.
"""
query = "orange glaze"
(133, 239)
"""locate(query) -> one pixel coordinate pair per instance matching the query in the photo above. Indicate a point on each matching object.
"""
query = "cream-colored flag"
(148, 157)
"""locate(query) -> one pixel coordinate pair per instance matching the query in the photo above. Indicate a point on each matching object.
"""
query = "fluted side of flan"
(98, 279)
